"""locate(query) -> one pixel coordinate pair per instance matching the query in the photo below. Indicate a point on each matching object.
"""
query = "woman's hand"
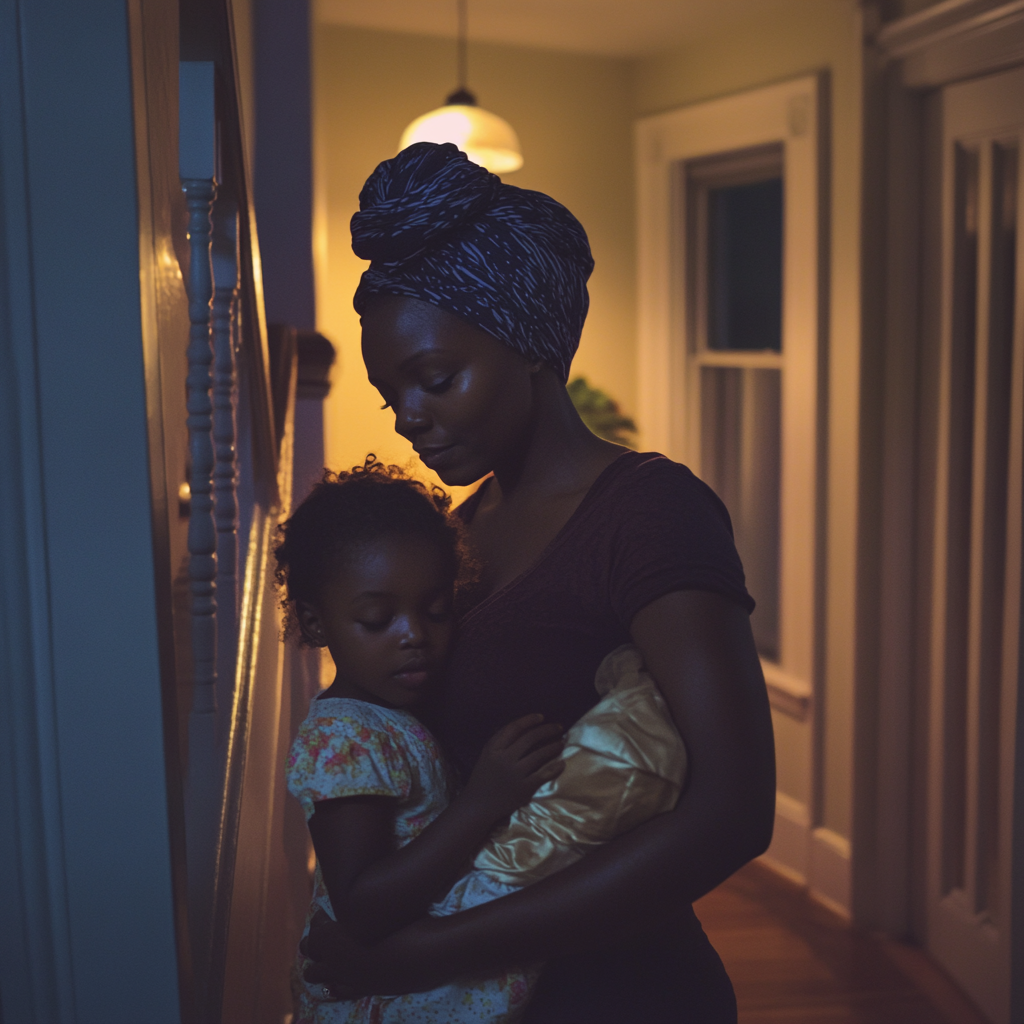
(514, 764)
(331, 949)
(347, 969)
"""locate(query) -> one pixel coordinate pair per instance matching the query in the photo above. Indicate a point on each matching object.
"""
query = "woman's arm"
(375, 889)
(699, 648)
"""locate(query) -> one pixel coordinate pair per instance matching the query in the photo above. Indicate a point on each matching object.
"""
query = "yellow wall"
(574, 120)
(808, 36)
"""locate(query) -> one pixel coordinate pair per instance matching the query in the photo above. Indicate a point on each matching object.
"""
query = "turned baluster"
(202, 533)
(197, 158)
(225, 391)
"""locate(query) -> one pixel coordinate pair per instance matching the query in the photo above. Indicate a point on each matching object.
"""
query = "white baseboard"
(788, 853)
(829, 875)
(816, 857)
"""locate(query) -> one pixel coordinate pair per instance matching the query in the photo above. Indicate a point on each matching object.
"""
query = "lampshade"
(485, 138)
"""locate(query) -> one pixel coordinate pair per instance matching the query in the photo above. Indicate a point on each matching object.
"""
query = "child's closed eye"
(375, 624)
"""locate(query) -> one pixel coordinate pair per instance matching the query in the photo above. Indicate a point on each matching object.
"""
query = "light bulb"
(485, 138)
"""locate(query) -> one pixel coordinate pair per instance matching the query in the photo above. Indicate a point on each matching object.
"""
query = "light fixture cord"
(463, 14)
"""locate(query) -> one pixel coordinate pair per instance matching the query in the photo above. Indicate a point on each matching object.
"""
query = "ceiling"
(615, 28)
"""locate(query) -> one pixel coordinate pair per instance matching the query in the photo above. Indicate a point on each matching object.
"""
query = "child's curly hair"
(347, 508)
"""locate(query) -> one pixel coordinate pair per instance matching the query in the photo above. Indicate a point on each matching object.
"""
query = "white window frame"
(786, 114)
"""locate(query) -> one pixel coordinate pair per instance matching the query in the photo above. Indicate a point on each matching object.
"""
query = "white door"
(974, 666)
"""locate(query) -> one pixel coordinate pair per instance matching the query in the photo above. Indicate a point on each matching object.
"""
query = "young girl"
(369, 563)
(368, 566)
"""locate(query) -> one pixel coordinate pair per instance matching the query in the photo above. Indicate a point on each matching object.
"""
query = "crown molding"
(955, 39)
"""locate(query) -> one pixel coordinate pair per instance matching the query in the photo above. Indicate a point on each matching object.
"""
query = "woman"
(472, 309)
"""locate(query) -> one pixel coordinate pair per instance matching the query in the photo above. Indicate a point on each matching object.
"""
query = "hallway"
(792, 961)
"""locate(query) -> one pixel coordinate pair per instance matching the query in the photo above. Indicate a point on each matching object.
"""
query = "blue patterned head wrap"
(512, 262)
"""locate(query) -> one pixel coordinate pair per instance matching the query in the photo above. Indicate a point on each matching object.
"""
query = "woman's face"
(463, 399)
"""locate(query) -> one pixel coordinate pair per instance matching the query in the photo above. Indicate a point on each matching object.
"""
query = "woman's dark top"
(647, 527)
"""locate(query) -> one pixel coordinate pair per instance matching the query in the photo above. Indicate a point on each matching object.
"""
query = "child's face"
(387, 619)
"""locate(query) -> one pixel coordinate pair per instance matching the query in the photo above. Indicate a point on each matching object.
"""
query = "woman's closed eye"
(439, 387)
(436, 387)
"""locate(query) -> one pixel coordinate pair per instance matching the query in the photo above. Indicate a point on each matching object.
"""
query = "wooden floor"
(794, 962)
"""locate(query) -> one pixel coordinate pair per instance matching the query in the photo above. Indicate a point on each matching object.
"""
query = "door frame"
(906, 63)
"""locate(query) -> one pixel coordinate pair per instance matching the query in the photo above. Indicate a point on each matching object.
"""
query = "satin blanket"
(624, 763)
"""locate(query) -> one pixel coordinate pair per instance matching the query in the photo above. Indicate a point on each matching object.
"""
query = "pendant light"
(484, 137)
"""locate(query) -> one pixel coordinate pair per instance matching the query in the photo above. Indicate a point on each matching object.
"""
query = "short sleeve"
(345, 755)
(673, 533)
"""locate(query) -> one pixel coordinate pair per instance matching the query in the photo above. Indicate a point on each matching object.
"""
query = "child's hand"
(515, 763)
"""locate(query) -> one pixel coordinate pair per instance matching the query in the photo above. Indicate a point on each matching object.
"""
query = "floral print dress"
(352, 748)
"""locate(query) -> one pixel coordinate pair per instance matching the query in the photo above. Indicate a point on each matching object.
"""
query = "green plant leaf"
(601, 412)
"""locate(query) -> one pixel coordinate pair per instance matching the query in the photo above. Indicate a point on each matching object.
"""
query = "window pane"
(745, 266)
(740, 448)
